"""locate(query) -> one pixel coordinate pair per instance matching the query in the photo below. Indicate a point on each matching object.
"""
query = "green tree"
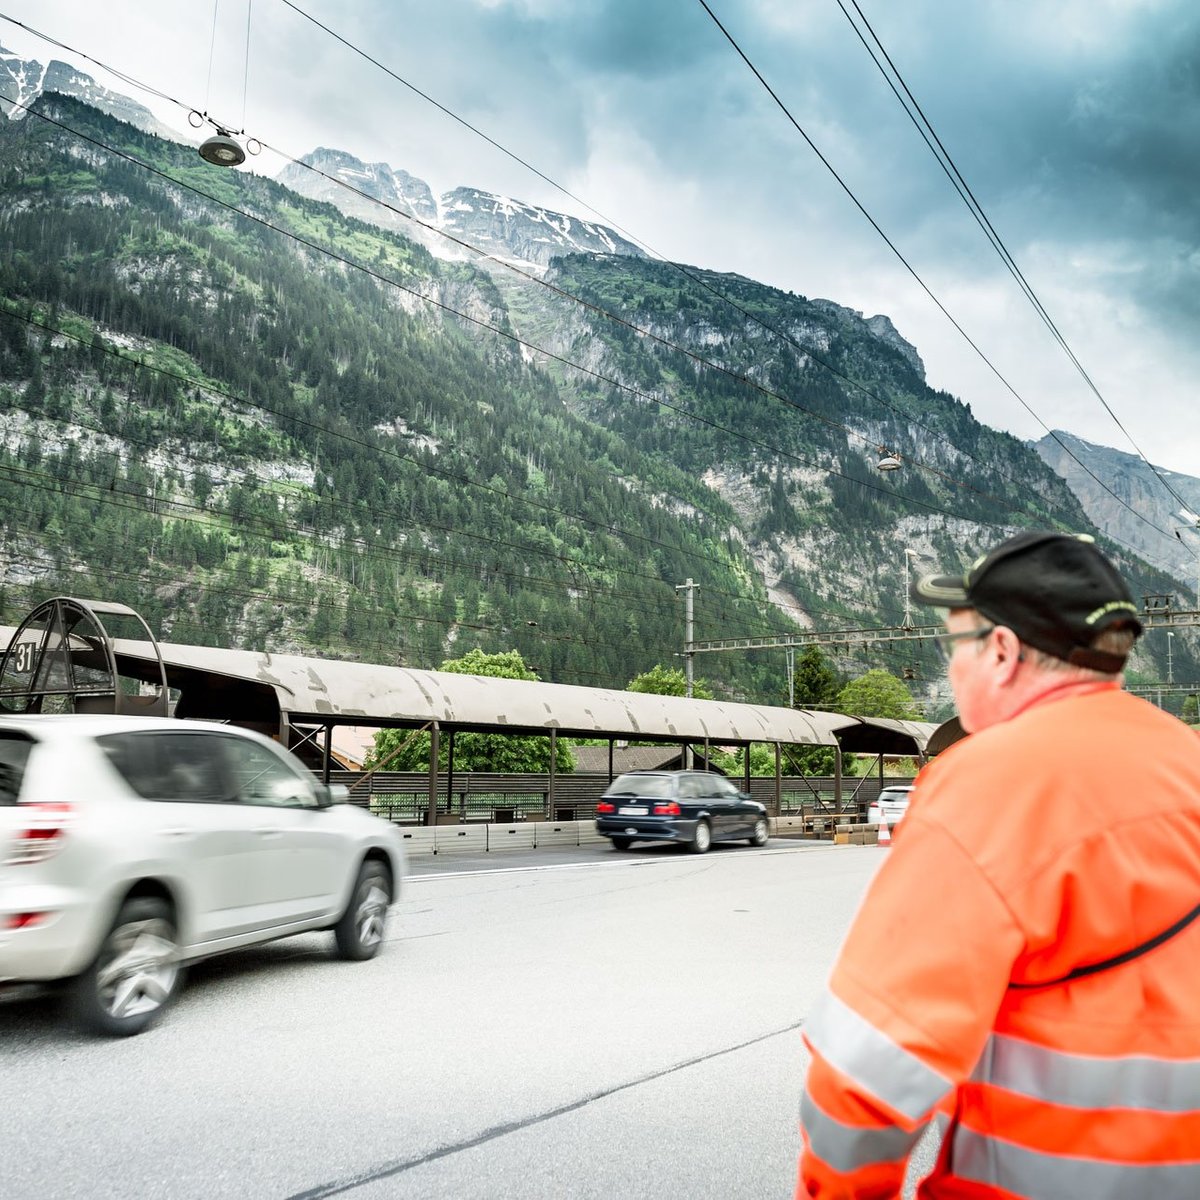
(1191, 710)
(877, 694)
(762, 761)
(475, 751)
(816, 683)
(668, 681)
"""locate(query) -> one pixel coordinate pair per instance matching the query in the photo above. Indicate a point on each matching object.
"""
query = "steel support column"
(434, 747)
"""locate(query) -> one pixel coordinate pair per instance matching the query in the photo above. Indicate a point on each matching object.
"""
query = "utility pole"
(688, 653)
(909, 555)
(1170, 672)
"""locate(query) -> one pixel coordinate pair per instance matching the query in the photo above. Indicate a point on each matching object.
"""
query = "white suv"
(130, 846)
(890, 805)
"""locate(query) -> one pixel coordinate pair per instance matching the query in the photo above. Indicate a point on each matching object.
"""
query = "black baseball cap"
(1055, 591)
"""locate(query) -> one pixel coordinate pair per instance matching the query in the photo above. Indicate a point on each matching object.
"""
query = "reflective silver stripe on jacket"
(852, 1045)
(845, 1148)
(1029, 1173)
(1088, 1081)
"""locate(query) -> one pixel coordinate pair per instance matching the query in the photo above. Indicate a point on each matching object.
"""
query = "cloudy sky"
(1076, 124)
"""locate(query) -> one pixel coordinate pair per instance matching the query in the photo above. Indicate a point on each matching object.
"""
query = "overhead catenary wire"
(905, 263)
(937, 148)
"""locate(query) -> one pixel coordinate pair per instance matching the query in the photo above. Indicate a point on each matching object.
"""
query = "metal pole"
(688, 654)
(778, 780)
(791, 674)
(550, 779)
(431, 815)
(1170, 671)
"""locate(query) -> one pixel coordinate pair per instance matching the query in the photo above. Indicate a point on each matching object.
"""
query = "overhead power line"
(924, 127)
(906, 264)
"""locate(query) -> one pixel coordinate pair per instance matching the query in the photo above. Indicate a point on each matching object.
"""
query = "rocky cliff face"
(1110, 483)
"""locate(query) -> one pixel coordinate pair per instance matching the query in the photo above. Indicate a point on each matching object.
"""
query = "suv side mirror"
(330, 794)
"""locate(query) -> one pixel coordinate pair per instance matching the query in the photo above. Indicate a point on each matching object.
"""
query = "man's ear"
(1006, 647)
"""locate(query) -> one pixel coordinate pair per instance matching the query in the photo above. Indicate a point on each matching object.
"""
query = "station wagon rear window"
(651, 787)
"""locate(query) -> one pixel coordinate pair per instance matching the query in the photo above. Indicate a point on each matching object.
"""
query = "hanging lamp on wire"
(221, 148)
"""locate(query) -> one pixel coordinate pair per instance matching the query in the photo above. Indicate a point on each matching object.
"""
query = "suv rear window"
(895, 795)
(14, 753)
(169, 766)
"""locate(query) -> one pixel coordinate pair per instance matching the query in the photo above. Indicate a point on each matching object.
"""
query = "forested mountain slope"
(263, 423)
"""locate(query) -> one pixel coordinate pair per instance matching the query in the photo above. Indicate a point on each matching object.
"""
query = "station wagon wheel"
(702, 838)
(359, 933)
(622, 843)
(762, 832)
(134, 975)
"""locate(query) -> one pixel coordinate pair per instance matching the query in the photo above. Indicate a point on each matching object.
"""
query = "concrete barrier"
(856, 835)
(477, 837)
(515, 836)
(418, 839)
(452, 838)
(556, 833)
(787, 826)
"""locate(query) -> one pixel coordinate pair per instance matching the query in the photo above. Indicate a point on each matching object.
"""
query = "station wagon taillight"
(40, 834)
(605, 807)
(666, 808)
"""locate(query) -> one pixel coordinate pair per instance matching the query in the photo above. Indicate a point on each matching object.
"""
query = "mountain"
(1125, 496)
(23, 80)
(263, 422)
(509, 229)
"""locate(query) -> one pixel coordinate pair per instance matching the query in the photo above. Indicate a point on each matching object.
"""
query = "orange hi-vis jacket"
(1061, 838)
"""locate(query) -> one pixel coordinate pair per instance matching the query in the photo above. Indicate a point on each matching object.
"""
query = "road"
(560, 1024)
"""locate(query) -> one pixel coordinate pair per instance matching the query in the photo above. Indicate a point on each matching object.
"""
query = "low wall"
(856, 835)
(478, 837)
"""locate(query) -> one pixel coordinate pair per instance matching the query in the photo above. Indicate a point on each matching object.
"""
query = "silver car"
(131, 846)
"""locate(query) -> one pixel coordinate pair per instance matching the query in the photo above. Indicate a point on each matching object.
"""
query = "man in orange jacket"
(1022, 971)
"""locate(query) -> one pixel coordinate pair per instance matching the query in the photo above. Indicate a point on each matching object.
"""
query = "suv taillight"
(667, 808)
(40, 834)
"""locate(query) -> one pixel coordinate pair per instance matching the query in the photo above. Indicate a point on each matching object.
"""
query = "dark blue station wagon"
(694, 808)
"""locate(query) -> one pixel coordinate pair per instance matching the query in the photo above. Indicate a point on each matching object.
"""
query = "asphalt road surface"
(558, 1024)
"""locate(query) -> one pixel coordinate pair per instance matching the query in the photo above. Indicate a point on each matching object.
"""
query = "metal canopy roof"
(328, 691)
(333, 692)
(883, 735)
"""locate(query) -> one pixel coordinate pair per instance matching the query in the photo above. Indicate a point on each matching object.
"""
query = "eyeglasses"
(947, 641)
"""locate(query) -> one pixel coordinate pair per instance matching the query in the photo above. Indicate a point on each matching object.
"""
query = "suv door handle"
(268, 831)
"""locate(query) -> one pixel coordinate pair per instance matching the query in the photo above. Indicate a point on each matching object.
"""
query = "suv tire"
(134, 975)
(359, 933)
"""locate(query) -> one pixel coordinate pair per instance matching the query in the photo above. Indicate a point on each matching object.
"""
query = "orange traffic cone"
(885, 834)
